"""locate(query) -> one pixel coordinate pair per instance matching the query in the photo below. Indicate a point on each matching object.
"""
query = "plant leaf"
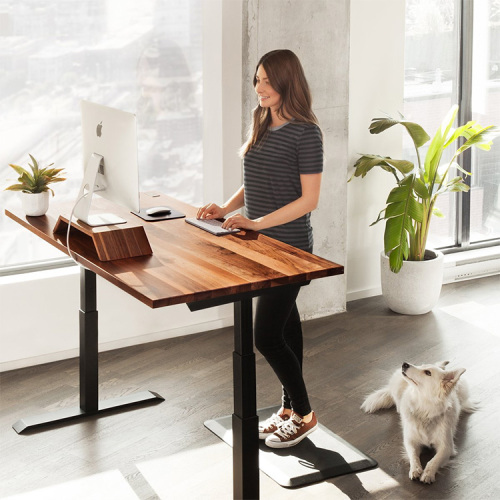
(417, 133)
(436, 147)
(421, 189)
(36, 180)
(437, 213)
(459, 132)
(402, 208)
(366, 162)
(19, 170)
(15, 187)
(481, 138)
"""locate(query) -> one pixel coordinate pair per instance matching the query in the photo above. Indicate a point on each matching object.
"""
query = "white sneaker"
(271, 425)
(292, 432)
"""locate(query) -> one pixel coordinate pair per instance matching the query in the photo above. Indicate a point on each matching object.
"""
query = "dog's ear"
(442, 364)
(450, 378)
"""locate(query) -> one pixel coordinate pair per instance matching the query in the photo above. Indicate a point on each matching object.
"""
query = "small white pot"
(35, 203)
(417, 286)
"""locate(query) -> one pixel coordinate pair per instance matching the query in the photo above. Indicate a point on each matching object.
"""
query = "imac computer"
(110, 162)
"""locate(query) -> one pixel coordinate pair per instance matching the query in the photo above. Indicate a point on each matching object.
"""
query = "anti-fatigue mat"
(322, 455)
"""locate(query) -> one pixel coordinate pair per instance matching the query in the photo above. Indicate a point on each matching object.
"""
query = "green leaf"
(459, 168)
(366, 162)
(15, 187)
(457, 185)
(402, 211)
(437, 213)
(421, 189)
(481, 138)
(416, 132)
(36, 179)
(462, 131)
(436, 147)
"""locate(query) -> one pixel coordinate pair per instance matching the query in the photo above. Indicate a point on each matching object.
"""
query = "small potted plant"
(411, 204)
(34, 186)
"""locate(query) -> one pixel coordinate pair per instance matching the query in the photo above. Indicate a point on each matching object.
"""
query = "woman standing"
(283, 162)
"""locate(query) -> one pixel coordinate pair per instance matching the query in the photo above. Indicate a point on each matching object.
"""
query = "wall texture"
(318, 32)
(376, 84)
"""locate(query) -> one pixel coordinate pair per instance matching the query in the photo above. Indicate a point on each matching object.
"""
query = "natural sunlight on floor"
(109, 485)
(478, 315)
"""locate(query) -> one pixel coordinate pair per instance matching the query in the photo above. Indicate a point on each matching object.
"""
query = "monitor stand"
(89, 186)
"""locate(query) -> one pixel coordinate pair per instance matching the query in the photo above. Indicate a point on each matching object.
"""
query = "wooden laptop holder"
(111, 242)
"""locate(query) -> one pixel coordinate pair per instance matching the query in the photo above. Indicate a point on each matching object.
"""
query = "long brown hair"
(286, 77)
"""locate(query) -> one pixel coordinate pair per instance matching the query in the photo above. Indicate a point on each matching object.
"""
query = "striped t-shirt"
(271, 178)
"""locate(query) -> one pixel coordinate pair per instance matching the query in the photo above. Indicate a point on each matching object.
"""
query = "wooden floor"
(164, 451)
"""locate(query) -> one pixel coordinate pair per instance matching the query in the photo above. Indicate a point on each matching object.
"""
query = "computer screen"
(110, 162)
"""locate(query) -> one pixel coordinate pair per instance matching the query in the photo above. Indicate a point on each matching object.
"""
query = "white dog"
(429, 399)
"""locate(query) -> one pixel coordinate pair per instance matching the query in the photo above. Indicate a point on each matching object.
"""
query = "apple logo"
(99, 130)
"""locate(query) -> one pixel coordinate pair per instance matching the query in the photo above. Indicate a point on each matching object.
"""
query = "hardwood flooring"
(164, 451)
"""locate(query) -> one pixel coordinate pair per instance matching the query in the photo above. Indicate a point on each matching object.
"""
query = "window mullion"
(465, 115)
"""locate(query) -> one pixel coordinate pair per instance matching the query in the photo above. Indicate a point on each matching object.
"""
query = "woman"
(283, 162)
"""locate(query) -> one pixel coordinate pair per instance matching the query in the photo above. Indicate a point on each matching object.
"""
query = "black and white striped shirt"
(271, 178)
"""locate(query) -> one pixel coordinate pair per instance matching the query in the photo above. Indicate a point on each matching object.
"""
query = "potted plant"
(34, 186)
(411, 204)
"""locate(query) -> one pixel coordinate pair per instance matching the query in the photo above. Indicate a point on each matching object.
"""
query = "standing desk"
(188, 266)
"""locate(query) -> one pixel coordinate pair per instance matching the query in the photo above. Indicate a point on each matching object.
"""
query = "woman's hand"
(238, 221)
(211, 211)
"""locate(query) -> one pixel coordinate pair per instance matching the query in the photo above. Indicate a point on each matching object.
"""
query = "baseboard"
(363, 294)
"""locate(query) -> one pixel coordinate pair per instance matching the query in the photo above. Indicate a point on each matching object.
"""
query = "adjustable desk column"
(245, 419)
(89, 369)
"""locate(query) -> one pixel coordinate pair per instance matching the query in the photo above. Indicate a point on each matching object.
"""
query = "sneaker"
(292, 432)
(271, 425)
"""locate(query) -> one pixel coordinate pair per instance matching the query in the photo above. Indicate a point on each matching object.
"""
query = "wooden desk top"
(188, 264)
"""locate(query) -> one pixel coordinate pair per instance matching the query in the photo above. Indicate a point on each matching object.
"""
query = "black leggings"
(278, 336)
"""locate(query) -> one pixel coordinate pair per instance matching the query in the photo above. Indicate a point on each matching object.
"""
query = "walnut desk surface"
(188, 264)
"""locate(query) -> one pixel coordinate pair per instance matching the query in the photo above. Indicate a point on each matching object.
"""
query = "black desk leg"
(89, 383)
(89, 365)
(245, 420)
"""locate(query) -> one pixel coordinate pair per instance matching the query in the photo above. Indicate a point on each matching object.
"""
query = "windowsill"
(471, 264)
(471, 256)
(25, 277)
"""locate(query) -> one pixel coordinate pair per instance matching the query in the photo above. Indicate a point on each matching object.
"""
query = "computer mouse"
(158, 211)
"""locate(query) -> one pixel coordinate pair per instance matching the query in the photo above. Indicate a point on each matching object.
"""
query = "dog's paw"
(428, 477)
(415, 472)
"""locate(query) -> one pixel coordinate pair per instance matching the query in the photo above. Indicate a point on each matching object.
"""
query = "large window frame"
(222, 63)
(462, 236)
(465, 73)
(463, 202)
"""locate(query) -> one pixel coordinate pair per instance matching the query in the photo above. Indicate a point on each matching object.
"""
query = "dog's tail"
(467, 405)
(378, 400)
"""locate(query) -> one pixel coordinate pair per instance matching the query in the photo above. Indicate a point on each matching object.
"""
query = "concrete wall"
(318, 32)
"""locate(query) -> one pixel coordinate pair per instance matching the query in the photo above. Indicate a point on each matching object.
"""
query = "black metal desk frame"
(89, 369)
(244, 418)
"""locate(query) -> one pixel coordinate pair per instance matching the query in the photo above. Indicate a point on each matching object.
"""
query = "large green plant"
(411, 203)
(36, 181)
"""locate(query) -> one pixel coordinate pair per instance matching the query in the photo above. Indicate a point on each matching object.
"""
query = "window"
(144, 57)
(485, 107)
(452, 56)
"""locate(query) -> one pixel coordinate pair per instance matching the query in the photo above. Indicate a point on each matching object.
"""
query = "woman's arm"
(213, 211)
(307, 202)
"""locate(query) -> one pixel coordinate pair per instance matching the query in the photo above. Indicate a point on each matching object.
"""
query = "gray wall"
(318, 32)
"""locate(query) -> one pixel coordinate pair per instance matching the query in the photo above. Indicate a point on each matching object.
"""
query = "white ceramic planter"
(416, 288)
(35, 203)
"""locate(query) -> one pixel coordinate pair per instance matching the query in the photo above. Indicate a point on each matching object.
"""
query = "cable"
(69, 227)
